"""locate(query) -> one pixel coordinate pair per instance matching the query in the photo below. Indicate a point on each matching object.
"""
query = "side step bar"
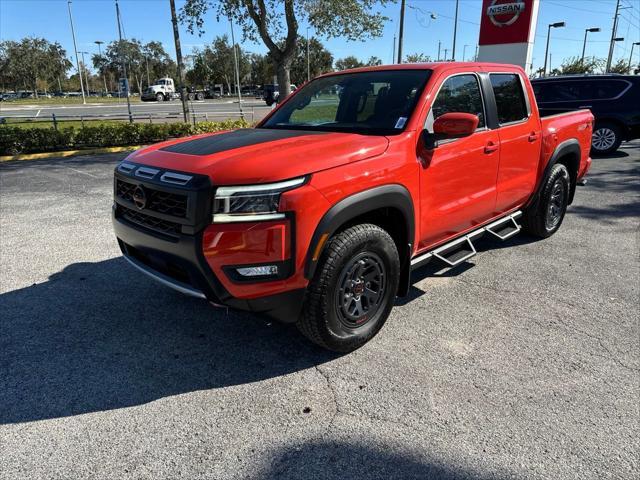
(462, 249)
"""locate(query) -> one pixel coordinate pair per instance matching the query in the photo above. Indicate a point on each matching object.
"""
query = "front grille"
(173, 204)
(147, 221)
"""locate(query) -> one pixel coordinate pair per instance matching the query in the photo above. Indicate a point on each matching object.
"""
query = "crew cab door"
(520, 140)
(458, 176)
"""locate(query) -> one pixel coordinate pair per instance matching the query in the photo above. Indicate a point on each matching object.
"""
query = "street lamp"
(464, 51)
(584, 44)
(75, 48)
(546, 52)
(99, 43)
(613, 47)
(84, 66)
(631, 54)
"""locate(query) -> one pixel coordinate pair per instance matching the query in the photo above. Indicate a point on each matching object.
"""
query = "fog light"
(258, 271)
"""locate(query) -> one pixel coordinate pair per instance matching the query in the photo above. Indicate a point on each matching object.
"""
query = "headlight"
(250, 203)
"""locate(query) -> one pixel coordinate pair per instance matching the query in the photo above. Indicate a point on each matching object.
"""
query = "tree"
(374, 61)
(417, 58)
(575, 65)
(275, 23)
(320, 60)
(261, 71)
(215, 64)
(621, 66)
(348, 62)
(32, 63)
(138, 57)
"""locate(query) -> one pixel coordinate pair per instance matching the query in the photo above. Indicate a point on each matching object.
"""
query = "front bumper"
(182, 266)
(162, 220)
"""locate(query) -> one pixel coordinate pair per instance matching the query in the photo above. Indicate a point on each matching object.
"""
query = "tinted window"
(604, 89)
(460, 93)
(510, 98)
(374, 102)
(578, 90)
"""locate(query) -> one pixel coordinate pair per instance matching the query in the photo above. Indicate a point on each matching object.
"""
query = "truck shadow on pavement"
(99, 336)
(329, 459)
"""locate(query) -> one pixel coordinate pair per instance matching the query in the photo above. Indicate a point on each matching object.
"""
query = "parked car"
(271, 94)
(319, 214)
(614, 101)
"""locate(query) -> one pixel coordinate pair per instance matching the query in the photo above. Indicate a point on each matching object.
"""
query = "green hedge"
(15, 140)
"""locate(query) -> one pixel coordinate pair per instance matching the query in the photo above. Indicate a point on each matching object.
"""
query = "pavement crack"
(334, 397)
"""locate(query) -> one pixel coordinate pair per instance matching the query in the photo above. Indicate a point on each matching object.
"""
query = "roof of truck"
(435, 66)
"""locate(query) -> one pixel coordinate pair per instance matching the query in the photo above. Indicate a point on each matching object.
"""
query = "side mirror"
(455, 124)
(451, 125)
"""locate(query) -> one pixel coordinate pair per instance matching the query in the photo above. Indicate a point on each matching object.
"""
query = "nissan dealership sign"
(507, 31)
(504, 14)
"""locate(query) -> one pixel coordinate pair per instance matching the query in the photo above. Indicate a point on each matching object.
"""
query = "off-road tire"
(367, 249)
(544, 217)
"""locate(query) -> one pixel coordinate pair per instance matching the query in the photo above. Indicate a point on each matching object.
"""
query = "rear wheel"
(353, 290)
(606, 138)
(200, 96)
(544, 218)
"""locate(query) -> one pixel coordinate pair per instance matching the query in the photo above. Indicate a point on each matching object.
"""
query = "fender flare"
(394, 196)
(568, 147)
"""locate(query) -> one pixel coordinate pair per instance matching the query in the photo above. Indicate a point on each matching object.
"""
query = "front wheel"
(544, 217)
(606, 138)
(159, 97)
(353, 290)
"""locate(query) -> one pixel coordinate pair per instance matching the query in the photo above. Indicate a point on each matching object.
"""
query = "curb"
(68, 153)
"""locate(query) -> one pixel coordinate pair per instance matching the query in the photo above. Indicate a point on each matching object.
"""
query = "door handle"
(533, 136)
(584, 106)
(490, 147)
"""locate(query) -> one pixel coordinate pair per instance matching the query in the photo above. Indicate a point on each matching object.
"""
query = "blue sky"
(150, 20)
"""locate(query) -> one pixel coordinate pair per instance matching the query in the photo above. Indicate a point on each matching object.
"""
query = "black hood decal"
(236, 139)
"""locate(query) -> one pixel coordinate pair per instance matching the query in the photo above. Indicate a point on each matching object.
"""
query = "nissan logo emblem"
(139, 197)
(505, 14)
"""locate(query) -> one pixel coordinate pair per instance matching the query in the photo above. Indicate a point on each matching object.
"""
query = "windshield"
(377, 102)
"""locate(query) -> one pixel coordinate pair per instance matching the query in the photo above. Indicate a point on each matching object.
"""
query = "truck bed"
(563, 127)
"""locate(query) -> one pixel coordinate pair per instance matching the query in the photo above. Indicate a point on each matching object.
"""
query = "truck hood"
(260, 155)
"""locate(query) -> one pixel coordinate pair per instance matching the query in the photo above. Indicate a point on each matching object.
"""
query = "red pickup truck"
(318, 215)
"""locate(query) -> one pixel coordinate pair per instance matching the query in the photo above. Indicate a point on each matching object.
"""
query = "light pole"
(446, 50)
(235, 61)
(464, 51)
(546, 52)
(176, 41)
(613, 47)
(401, 32)
(124, 64)
(631, 54)
(99, 43)
(308, 66)
(439, 46)
(455, 31)
(75, 48)
(584, 44)
(614, 31)
(86, 76)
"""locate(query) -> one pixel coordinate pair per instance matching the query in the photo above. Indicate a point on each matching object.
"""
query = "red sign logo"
(505, 21)
(505, 14)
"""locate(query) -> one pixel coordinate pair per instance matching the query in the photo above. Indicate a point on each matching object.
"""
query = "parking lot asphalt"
(522, 363)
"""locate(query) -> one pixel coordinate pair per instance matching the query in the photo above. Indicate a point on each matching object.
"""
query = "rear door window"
(510, 98)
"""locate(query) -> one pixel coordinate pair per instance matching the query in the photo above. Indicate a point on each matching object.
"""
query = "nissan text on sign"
(507, 31)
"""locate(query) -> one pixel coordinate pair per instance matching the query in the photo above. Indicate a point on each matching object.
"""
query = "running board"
(462, 249)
